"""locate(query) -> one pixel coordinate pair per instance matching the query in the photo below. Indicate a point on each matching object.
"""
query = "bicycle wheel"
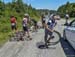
(56, 38)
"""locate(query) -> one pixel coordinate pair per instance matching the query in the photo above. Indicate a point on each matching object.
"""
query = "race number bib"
(13, 24)
(24, 25)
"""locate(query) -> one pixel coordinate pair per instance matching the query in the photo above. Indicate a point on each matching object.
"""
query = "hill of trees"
(17, 8)
(67, 8)
(46, 11)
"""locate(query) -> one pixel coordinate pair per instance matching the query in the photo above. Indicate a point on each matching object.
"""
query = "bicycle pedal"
(52, 37)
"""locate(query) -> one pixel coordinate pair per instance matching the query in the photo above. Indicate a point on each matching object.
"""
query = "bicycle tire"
(56, 38)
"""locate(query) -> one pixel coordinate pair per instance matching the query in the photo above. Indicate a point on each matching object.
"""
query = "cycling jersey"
(13, 20)
(24, 22)
(13, 23)
(51, 23)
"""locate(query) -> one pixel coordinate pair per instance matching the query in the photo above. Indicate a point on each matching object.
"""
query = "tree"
(67, 8)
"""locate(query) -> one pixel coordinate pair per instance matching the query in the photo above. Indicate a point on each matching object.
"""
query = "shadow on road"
(69, 51)
(41, 45)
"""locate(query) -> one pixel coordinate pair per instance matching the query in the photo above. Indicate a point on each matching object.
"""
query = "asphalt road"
(30, 48)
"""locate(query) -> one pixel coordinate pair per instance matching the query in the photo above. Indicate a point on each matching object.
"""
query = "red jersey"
(13, 20)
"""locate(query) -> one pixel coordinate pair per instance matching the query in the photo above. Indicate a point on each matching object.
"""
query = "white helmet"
(26, 14)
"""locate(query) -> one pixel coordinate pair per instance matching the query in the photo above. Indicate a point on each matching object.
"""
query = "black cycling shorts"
(13, 27)
(25, 28)
(35, 24)
(43, 21)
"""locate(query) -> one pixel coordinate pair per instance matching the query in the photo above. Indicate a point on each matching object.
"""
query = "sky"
(45, 4)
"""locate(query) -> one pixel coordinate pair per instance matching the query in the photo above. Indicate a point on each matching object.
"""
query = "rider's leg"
(36, 28)
(28, 34)
(13, 29)
(45, 38)
(16, 29)
(43, 25)
(24, 31)
(51, 37)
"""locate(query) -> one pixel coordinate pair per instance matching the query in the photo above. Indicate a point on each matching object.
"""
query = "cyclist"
(25, 23)
(49, 28)
(66, 17)
(43, 20)
(13, 23)
(34, 24)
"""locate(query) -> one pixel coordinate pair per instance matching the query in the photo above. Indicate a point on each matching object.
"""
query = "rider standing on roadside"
(13, 23)
(66, 17)
(25, 24)
(49, 28)
(43, 20)
(35, 25)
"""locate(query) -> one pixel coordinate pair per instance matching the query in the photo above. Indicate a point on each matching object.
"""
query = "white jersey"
(67, 15)
(46, 19)
(24, 22)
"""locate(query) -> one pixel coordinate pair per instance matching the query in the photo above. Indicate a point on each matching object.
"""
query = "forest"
(68, 8)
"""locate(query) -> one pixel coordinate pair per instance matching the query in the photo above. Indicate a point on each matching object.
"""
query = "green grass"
(3, 38)
(5, 29)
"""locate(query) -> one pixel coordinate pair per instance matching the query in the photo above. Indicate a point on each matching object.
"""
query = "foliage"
(67, 8)
(46, 11)
(16, 8)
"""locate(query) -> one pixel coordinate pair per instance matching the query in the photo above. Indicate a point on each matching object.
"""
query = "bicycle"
(53, 41)
(17, 36)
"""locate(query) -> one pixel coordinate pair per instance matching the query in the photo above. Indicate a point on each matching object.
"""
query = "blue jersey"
(51, 23)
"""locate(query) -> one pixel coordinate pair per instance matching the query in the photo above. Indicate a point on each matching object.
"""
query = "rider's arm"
(46, 26)
(15, 20)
